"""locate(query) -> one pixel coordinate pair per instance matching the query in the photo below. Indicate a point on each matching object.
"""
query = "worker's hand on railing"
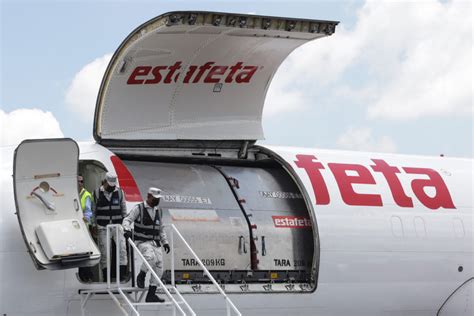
(127, 234)
(166, 247)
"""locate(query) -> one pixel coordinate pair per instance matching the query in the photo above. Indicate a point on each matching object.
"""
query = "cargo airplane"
(284, 231)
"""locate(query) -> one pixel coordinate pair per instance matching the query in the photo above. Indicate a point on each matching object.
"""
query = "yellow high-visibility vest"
(84, 194)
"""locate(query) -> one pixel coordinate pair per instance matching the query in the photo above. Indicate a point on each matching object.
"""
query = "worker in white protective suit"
(149, 237)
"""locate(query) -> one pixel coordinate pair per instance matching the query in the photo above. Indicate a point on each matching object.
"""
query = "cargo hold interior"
(242, 214)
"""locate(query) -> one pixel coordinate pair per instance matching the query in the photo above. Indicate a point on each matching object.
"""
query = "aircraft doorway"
(249, 225)
(93, 173)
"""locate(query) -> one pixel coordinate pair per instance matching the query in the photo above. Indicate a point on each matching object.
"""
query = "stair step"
(152, 304)
(137, 289)
(149, 304)
(123, 296)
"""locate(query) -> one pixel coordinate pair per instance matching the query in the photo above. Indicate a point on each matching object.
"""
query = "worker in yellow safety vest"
(86, 201)
(85, 273)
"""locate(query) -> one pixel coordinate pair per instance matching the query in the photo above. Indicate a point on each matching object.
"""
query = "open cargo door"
(48, 207)
(201, 76)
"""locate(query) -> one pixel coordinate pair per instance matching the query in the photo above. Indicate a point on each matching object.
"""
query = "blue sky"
(395, 77)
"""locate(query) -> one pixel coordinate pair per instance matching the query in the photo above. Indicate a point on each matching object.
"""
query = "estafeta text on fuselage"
(424, 178)
(208, 72)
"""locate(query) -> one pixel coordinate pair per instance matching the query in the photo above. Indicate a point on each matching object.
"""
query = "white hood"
(196, 76)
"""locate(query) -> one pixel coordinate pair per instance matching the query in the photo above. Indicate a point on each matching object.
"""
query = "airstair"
(130, 299)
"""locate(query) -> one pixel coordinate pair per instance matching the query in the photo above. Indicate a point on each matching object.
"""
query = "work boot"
(85, 274)
(141, 279)
(151, 296)
(123, 273)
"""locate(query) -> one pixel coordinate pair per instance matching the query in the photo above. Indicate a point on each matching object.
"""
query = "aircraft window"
(44, 186)
(458, 228)
(397, 226)
(420, 227)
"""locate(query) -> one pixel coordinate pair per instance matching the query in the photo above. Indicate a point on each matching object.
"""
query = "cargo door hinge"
(243, 150)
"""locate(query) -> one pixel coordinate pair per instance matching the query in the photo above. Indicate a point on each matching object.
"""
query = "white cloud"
(414, 58)
(431, 71)
(363, 140)
(27, 123)
(281, 98)
(82, 93)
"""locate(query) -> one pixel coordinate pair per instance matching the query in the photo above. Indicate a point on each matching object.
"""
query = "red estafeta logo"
(346, 175)
(291, 222)
(206, 73)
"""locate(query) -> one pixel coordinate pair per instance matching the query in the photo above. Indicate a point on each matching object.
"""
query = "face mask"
(155, 202)
(110, 189)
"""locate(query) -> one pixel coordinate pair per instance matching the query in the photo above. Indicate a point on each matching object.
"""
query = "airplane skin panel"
(201, 78)
(365, 267)
(460, 301)
(378, 180)
(421, 260)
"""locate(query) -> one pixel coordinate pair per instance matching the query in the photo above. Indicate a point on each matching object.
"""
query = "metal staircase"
(130, 299)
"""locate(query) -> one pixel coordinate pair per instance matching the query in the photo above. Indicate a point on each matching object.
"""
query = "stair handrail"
(229, 303)
(117, 227)
(162, 285)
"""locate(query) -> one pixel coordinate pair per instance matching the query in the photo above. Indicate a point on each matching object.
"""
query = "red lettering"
(246, 74)
(390, 174)
(345, 182)
(202, 70)
(442, 198)
(189, 74)
(194, 74)
(156, 75)
(139, 71)
(311, 167)
(215, 71)
(232, 72)
(172, 70)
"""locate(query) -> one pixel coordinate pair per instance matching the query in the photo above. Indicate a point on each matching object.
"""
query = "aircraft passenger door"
(48, 206)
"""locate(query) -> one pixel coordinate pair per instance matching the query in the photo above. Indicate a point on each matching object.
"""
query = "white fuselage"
(374, 260)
